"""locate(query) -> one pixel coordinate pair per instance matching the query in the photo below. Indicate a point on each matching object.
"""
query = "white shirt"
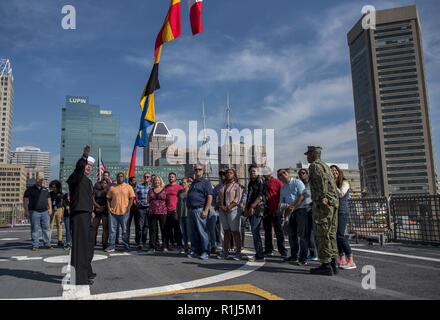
(344, 189)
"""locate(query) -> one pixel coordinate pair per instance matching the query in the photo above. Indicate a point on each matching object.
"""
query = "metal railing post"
(13, 216)
(391, 219)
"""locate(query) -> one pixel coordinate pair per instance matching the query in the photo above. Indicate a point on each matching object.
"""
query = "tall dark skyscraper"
(391, 104)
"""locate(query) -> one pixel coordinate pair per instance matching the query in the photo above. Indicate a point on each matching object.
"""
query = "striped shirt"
(142, 194)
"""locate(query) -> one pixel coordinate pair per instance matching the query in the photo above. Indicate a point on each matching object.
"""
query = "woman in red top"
(158, 212)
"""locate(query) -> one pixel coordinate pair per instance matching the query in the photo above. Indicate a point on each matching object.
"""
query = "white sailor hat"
(90, 160)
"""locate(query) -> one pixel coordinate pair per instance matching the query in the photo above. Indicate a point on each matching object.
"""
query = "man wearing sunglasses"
(142, 204)
(291, 203)
(199, 200)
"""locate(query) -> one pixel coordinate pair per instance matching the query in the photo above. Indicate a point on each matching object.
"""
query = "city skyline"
(35, 161)
(278, 72)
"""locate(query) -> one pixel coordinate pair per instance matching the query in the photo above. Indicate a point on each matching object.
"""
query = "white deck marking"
(66, 258)
(25, 258)
(120, 254)
(408, 256)
(81, 293)
(70, 291)
(9, 239)
(243, 270)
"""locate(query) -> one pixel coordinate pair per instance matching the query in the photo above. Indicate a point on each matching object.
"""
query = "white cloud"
(26, 127)
(137, 60)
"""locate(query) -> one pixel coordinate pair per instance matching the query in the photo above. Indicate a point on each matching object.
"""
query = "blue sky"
(284, 63)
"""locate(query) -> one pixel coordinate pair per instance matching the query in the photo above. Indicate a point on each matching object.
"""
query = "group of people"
(196, 219)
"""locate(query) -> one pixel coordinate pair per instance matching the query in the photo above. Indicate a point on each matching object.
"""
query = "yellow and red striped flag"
(170, 30)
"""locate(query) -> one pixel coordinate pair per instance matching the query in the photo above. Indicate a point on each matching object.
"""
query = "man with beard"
(325, 202)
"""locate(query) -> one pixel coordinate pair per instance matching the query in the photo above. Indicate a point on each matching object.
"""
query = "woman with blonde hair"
(158, 212)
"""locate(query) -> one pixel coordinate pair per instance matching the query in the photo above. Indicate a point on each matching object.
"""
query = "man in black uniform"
(81, 206)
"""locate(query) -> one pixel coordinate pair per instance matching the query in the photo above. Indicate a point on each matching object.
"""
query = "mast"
(206, 141)
(228, 127)
(99, 163)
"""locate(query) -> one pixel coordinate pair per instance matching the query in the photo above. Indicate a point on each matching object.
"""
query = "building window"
(403, 96)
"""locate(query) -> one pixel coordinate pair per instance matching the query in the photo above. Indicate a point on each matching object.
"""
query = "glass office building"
(391, 105)
(84, 123)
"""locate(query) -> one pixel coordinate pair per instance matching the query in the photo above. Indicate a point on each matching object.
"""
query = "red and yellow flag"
(170, 30)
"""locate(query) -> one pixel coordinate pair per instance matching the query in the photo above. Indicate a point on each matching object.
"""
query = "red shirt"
(172, 190)
(273, 190)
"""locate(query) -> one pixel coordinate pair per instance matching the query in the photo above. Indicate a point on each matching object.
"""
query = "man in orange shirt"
(120, 198)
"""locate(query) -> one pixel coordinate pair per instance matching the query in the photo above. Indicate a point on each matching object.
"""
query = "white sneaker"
(237, 257)
(253, 259)
(192, 255)
(204, 256)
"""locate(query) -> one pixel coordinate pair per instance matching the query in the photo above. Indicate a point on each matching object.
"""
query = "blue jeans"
(115, 222)
(68, 230)
(341, 238)
(211, 224)
(255, 222)
(198, 231)
(41, 219)
(185, 230)
(131, 216)
(298, 223)
(311, 235)
(141, 221)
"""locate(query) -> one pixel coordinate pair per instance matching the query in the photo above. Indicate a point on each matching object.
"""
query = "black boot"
(324, 269)
(334, 267)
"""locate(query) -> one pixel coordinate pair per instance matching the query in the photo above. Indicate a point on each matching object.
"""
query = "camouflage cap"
(312, 148)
